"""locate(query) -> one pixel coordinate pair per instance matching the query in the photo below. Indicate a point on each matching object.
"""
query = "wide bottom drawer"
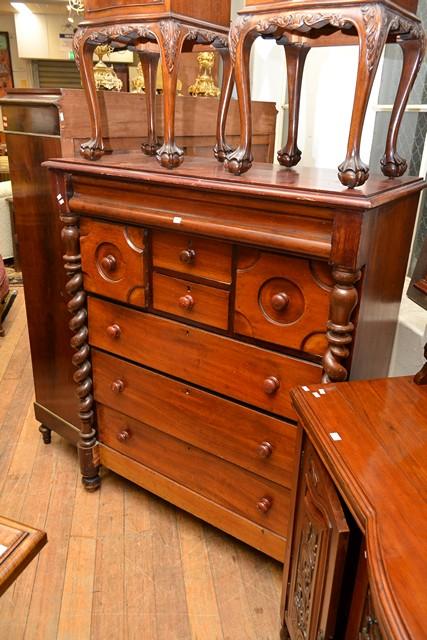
(253, 534)
(244, 493)
(243, 436)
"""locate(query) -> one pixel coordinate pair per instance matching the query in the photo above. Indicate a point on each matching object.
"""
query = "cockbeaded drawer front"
(114, 261)
(192, 255)
(282, 299)
(241, 371)
(257, 499)
(191, 300)
(248, 438)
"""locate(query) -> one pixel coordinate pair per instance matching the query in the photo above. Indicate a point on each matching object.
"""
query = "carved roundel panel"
(113, 260)
(281, 301)
(109, 261)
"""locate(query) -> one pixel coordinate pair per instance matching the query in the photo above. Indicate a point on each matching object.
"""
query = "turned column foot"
(92, 149)
(91, 484)
(46, 433)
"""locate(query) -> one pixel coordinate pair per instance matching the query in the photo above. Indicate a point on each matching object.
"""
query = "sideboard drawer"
(184, 253)
(257, 499)
(283, 299)
(113, 260)
(248, 438)
(242, 371)
(191, 300)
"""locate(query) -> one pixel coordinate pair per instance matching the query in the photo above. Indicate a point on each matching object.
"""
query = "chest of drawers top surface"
(306, 186)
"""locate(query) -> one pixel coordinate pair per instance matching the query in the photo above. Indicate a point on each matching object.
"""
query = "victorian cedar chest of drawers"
(199, 300)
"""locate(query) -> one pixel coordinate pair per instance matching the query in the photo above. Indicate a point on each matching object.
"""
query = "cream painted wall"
(22, 73)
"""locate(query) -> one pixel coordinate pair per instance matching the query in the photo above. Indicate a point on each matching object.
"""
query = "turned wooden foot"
(91, 484)
(241, 40)
(222, 149)
(392, 165)
(93, 149)
(353, 172)
(290, 155)
(46, 433)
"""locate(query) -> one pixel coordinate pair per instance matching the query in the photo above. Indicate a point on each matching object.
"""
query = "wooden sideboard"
(198, 300)
(357, 555)
(41, 125)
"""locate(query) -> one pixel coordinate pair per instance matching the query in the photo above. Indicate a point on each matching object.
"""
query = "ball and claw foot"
(393, 166)
(221, 151)
(46, 434)
(92, 149)
(353, 173)
(91, 484)
(150, 148)
(286, 159)
(238, 162)
(170, 156)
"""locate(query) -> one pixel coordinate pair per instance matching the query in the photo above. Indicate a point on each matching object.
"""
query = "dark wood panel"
(38, 228)
(114, 261)
(248, 495)
(282, 299)
(193, 255)
(245, 372)
(191, 300)
(256, 442)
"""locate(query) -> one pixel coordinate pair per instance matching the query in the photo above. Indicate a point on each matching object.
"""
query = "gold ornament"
(204, 84)
(138, 83)
(105, 77)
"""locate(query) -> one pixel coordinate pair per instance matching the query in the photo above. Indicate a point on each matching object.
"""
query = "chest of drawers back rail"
(199, 300)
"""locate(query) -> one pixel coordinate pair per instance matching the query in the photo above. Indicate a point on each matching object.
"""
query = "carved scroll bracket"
(344, 298)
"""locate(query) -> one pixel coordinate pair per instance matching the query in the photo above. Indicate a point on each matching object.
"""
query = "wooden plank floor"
(120, 564)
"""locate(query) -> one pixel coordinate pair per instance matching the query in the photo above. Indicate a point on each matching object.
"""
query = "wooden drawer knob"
(265, 504)
(271, 385)
(117, 386)
(264, 450)
(187, 256)
(279, 301)
(186, 302)
(114, 331)
(123, 436)
(109, 263)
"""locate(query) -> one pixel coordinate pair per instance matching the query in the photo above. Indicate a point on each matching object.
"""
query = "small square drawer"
(113, 260)
(283, 300)
(192, 255)
(193, 301)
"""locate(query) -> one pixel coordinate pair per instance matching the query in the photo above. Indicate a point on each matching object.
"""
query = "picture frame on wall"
(6, 73)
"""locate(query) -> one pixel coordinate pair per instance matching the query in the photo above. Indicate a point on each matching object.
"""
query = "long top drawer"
(241, 371)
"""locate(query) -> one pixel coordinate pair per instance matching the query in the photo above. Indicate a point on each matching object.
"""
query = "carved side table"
(300, 25)
(173, 27)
